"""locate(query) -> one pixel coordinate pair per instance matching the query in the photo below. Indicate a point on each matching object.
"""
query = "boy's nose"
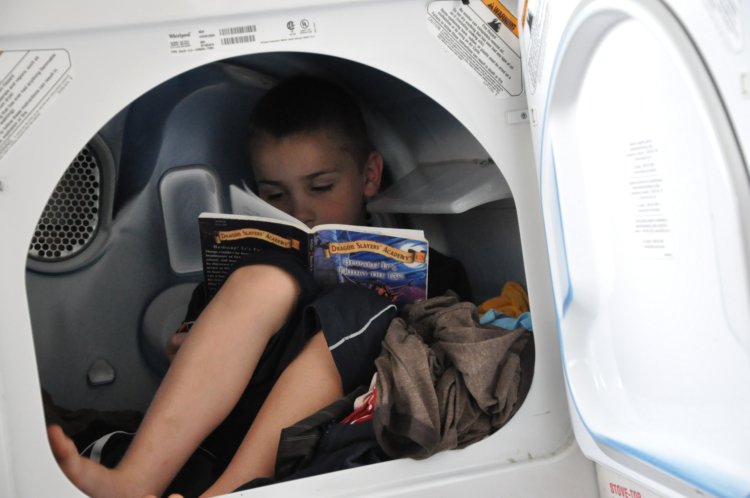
(302, 211)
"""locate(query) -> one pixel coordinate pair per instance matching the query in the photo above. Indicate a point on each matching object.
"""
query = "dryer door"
(647, 212)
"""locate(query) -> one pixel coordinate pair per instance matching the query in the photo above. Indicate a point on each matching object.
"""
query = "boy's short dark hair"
(304, 104)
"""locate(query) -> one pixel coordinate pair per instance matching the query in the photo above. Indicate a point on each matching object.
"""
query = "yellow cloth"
(512, 301)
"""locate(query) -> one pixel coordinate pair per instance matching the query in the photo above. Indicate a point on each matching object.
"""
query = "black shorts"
(353, 319)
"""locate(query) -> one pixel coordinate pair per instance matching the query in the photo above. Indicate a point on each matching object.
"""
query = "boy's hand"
(174, 343)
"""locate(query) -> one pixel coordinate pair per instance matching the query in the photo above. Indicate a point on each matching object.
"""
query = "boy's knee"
(269, 280)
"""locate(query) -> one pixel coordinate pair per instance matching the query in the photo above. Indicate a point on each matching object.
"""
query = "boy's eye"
(322, 188)
(271, 196)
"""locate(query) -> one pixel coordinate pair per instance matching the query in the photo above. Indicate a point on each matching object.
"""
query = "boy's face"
(311, 177)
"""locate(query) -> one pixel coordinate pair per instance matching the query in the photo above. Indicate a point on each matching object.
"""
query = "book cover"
(393, 266)
(392, 262)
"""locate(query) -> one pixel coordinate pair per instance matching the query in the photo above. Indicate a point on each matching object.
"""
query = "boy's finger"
(62, 446)
(174, 343)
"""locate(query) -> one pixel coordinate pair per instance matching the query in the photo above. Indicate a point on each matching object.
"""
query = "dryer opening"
(106, 315)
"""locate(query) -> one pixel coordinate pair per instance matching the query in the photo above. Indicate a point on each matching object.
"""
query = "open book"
(391, 261)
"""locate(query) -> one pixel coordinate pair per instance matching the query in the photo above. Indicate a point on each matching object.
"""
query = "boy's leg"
(204, 383)
(309, 383)
(355, 321)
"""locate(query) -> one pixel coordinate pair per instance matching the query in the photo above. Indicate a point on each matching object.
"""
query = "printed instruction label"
(487, 43)
(241, 35)
(727, 16)
(535, 27)
(29, 79)
(614, 485)
(652, 229)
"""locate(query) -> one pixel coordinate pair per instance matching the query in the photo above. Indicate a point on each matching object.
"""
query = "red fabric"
(364, 412)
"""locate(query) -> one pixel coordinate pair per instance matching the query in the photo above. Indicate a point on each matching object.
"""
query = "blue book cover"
(392, 265)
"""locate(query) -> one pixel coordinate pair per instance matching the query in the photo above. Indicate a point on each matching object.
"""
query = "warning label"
(28, 81)
(503, 15)
(485, 38)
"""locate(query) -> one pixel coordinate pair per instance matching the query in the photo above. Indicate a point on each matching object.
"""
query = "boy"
(258, 358)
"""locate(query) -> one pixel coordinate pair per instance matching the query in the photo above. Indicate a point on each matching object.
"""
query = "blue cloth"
(506, 322)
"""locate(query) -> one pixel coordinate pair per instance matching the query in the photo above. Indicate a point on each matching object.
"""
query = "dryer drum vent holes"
(71, 217)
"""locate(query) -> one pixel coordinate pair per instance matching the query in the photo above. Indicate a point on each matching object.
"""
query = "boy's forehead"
(300, 154)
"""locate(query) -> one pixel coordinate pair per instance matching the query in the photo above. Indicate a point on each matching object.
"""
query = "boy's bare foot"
(90, 477)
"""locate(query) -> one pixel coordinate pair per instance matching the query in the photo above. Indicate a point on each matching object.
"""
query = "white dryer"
(640, 114)
(643, 324)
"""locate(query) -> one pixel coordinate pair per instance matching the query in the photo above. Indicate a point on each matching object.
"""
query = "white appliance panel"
(647, 224)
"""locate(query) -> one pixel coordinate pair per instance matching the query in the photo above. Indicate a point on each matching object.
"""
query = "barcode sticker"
(202, 40)
(238, 34)
(241, 36)
(239, 30)
(238, 39)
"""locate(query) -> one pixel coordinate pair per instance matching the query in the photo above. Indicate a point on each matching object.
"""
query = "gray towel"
(444, 380)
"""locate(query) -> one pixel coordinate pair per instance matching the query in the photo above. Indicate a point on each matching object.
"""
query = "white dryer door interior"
(646, 198)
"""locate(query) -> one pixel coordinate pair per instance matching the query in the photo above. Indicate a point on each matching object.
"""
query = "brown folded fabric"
(444, 380)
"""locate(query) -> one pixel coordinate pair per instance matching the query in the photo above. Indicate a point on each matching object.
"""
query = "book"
(391, 261)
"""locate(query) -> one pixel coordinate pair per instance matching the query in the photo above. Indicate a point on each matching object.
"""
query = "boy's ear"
(373, 173)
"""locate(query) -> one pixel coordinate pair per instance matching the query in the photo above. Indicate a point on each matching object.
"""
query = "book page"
(405, 233)
(246, 202)
(393, 266)
(251, 218)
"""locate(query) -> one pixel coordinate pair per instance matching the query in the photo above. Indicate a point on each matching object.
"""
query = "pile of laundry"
(445, 380)
(450, 374)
